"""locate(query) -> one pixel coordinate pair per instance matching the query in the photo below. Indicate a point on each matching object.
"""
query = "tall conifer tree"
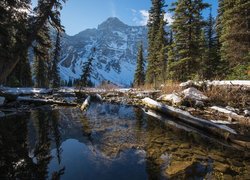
(185, 55)
(42, 57)
(156, 36)
(139, 76)
(235, 37)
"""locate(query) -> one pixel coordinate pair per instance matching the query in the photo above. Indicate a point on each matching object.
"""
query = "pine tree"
(204, 64)
(212, 62)
(156, 39)
(86, 69)
(21, 75)
(42, 57)
(55, 77)
(235, 38)
(161, 46)
(139, 76)
(187, 28)
(18, 30)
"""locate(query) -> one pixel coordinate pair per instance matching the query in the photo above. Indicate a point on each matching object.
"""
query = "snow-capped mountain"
(115, 45)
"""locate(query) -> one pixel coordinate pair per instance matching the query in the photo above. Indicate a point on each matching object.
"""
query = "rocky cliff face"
(115, 45)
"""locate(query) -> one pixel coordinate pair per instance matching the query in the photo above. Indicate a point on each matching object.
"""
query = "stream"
(112, 142)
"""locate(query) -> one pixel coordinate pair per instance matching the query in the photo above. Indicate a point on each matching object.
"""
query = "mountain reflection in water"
(111, 142)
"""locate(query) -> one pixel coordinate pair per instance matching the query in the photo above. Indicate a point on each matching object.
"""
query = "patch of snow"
(223, 110)
(246, 112)
(216, 83)
(19, 91)
(193, 93)
(67, 89)
(222, 122)
(173, 98)
(233, 82)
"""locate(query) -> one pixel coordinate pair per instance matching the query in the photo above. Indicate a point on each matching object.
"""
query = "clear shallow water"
(112, 142)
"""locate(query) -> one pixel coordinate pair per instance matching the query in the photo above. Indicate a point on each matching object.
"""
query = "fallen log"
(85, 104)
(230, 115)
(215, 129)
(38, 101)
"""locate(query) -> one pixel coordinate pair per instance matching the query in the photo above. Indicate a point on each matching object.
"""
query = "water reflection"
(110, 142)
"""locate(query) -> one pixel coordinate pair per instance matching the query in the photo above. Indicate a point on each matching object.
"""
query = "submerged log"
(85, 104)
(187, 117)
(43, 101)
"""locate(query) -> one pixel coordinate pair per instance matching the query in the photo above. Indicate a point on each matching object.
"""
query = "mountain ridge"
(115, 57)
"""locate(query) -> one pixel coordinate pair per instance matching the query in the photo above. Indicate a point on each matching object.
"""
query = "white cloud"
(144, 17)
(169, 18)
(141, 17)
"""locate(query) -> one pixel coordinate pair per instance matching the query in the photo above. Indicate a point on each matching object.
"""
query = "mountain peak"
(112, 22)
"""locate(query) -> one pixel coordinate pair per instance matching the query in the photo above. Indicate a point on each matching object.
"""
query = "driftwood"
(85, 104)
(215, 129)
(230, 115)
(44, 101)
(237, 142)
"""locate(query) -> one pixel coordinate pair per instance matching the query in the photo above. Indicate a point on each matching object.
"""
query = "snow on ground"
(223, 110)
(25, 90)
(217, 83)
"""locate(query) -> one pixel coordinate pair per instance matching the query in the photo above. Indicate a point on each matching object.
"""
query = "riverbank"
(219, 103)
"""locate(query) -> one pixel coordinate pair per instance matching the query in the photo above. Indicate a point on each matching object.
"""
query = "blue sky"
(78, 15)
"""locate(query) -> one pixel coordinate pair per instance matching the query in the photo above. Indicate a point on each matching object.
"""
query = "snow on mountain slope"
(115, 56)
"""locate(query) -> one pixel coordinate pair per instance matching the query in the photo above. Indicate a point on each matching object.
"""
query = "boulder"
(2, 100)
(194, 94)
(199, 104)
(174, 99)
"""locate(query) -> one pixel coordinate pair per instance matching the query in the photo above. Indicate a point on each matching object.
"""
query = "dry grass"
(228, 96)
(108, 86)
(167, 88)
(171, 87)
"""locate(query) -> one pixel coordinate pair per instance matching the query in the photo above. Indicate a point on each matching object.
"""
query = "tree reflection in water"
(19, 158)
(61, 143)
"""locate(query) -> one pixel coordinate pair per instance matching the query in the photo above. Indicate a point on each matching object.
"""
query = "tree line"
(195, 47)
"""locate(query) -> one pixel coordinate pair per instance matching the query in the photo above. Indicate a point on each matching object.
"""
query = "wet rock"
(222, 167)
(185, 146)
(217, 158)
(228, 177)
(177, 167)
